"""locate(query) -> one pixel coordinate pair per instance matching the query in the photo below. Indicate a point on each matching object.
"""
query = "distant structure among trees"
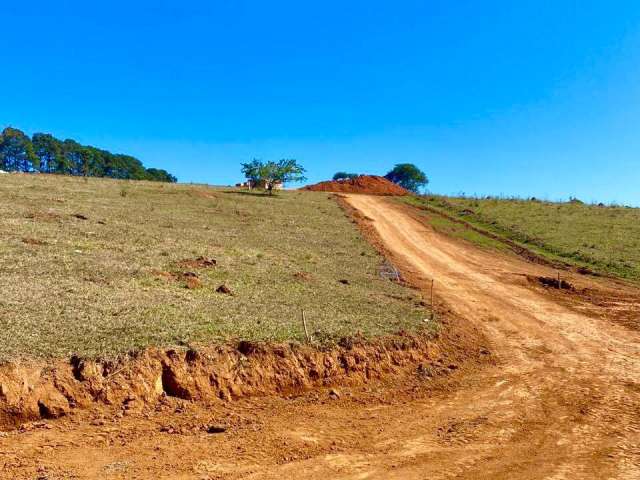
(46, 154)
(272, 175)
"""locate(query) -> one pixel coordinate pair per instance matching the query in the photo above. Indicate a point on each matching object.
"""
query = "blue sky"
(494, 97)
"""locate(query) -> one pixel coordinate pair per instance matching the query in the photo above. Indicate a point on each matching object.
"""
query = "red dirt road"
(565, 400)
(562, 402)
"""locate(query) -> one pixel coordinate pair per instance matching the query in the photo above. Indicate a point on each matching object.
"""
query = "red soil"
(368, 184)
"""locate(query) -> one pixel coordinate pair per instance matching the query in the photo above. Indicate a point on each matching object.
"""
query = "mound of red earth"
(369, 184)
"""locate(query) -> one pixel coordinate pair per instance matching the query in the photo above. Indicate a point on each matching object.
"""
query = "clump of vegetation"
(603, 238)
(268, 174)
(43, 153)
(408, 176)
(345, 176)
(102, 274)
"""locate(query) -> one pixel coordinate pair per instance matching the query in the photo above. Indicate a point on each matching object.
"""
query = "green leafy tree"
(48, 149)
(345, 176)
(47, 154)
(16, 151)
(267, 174)
(160, 175)
(74, 160)
(408, 176)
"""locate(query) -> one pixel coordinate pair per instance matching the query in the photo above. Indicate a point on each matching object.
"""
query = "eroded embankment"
(30, 390)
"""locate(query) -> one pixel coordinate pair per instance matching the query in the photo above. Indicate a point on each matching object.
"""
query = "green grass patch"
(94, 286)
(605, 239)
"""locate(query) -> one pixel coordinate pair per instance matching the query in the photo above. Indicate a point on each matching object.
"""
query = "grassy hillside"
(97, 267)
(605, 239)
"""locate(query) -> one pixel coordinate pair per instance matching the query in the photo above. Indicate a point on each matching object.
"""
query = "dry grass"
(112, 282)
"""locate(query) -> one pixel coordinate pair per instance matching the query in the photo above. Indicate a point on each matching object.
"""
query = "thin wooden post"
(558, 279)
(432, 309)
(304, 323)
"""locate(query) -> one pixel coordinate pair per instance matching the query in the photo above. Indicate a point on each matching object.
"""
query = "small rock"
(52, 404)
(215, 428)
(224, 289)
(335, 394)
(452, 366)
(344, 281)
(81, 216)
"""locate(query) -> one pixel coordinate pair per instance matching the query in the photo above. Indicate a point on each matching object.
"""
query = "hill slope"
(605, 239)
(100, 267)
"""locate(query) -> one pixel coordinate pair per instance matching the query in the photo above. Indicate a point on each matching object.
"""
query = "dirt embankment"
(41, 391)
(367, 184)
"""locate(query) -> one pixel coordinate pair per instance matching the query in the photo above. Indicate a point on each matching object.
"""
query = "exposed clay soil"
(368, 184)
(554, 392)
(33, 391)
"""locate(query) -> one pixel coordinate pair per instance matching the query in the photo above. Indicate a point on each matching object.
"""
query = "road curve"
(565, 400)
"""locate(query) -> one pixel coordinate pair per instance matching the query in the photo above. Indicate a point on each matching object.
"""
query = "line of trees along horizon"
(44, 153)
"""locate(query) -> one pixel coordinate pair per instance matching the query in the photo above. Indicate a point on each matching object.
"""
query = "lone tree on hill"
(345, 176)
(267, 175)
(408, 176)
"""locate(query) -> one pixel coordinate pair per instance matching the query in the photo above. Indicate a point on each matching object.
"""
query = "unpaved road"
(562, 402)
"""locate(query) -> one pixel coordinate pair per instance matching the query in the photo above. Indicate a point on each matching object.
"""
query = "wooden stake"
(558, 280)
(304, 323)
(432, 309)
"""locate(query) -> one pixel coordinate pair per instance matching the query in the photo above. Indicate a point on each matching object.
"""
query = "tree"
(345, 176)
(48, 149)
(160, 175)
(45, 153)
(268, 174)
(74, 161)
(408, 176)
(16, 151)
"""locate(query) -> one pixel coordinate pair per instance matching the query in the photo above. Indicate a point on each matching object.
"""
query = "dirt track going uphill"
(561, 402)
(565, 400)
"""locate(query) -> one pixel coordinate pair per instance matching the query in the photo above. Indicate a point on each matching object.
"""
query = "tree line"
(45, 153)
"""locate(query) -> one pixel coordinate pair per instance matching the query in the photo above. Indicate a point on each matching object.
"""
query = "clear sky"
(488, 97)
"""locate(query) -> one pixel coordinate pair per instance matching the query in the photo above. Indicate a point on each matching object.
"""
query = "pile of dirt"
(200, 262)
(368, 184)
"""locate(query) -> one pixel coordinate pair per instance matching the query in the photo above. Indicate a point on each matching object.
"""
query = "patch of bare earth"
(225, 412)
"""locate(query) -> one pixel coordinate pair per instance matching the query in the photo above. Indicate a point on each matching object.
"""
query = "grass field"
(93, 267)
(604, 239)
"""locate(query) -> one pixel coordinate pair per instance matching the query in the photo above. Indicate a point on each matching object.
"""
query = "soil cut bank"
(367, 184)
(35, 391)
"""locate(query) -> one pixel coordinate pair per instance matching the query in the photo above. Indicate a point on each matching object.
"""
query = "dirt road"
(563, 401)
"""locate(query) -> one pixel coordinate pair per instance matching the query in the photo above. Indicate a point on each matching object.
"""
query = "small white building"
(250, 184)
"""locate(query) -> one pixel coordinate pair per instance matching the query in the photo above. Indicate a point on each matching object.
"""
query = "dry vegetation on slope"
(96, 267)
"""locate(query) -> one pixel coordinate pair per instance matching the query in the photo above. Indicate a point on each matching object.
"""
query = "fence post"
(432, 309)
(304, 323)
